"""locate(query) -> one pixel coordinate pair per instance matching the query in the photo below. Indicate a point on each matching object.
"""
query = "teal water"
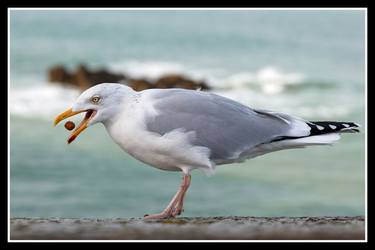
(306, 63)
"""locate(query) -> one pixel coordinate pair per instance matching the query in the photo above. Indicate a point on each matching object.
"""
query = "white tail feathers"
(325, 139)
(313, 140)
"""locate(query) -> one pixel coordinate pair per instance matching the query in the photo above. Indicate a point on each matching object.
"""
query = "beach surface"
(195, 228)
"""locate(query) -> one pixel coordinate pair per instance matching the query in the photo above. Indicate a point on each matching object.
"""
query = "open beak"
(90, 113)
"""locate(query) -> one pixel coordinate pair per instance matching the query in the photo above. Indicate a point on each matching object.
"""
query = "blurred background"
(308, 63)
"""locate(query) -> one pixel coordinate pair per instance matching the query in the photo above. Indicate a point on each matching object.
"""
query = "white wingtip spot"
(319, 127)
(358, 125)
(346, 125)
(332, 126)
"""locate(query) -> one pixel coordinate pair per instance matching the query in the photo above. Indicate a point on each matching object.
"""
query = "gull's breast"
(171, 151)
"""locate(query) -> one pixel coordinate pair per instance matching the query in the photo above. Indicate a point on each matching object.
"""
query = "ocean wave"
(269, 79)
(46, 101)
(293, 104)
(152, 70)
(250, 88)
(147, 69)
(42, 100)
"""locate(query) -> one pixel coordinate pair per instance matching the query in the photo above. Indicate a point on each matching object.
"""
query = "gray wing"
(226, 127)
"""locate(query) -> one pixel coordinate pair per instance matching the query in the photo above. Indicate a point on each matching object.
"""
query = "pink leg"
(176, 203)
(178, 209)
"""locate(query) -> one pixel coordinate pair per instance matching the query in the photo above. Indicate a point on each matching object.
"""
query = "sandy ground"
(199, 228)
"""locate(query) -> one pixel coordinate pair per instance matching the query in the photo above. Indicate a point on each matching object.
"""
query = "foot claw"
(176, 212)
(159, 216)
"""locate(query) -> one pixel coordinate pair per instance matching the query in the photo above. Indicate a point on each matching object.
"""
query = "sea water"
(308, 63)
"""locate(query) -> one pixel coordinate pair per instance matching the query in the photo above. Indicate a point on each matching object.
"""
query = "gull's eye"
(95, 99)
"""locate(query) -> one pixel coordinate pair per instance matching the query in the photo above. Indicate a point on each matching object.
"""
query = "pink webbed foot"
(162, 215)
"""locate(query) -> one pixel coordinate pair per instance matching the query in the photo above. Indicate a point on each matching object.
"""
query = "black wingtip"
(324, 127)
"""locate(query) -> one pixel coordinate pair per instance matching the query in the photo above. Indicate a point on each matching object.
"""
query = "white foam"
(274, 81)
(289, 104)
(147, 69)
(269, 80)
(250, 88)
(240, 80)
(152, 70)
(42, 100)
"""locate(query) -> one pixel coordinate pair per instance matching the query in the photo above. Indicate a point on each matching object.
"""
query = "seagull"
(183, 130)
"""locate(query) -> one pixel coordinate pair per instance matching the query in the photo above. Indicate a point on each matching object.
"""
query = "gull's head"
(100, 102)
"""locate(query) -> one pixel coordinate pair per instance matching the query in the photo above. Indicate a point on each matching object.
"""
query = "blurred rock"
(140, 84)
(84, 78)
(58, 74)
(178, 81)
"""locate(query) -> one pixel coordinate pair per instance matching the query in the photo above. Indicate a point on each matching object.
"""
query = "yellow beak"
(82, 126)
